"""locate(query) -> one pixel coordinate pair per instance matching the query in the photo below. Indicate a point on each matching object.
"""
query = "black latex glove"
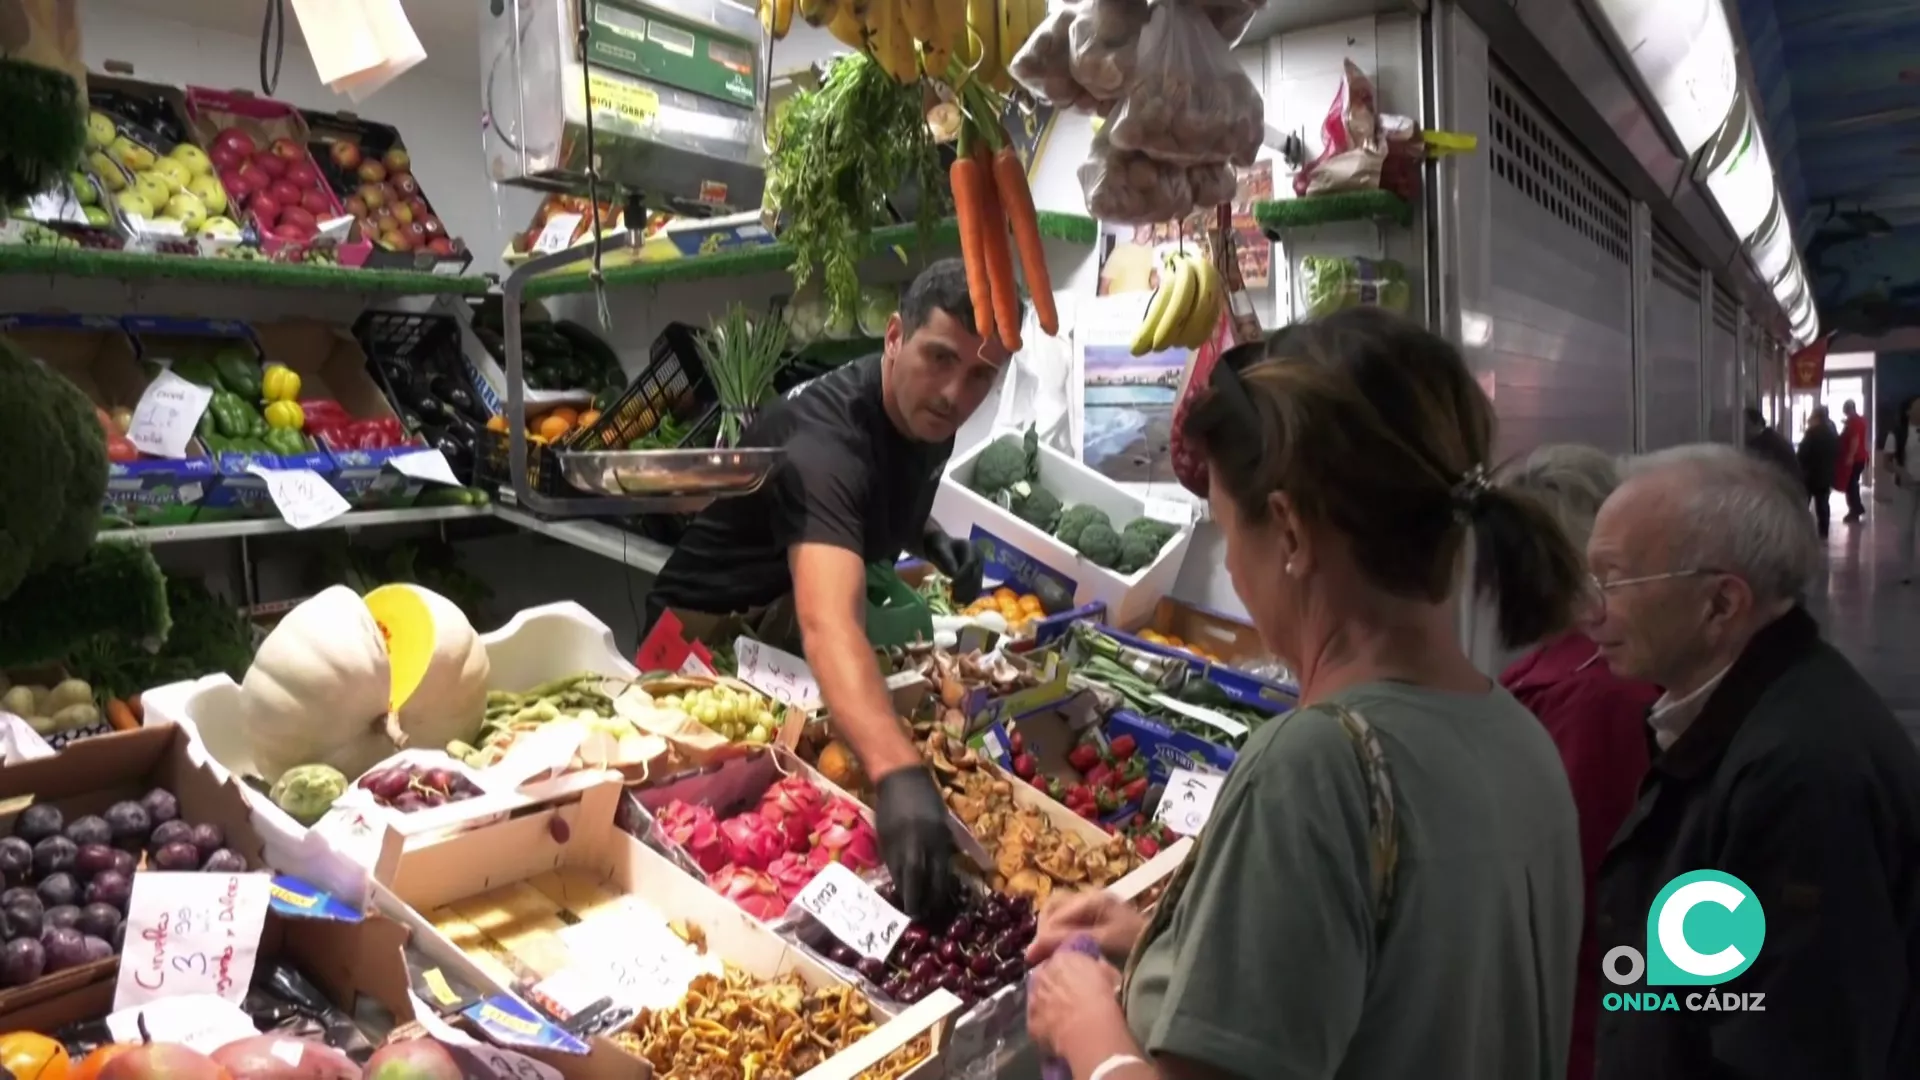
(959, 561)
(916, 843)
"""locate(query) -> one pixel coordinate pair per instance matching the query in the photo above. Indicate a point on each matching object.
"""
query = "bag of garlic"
(1127, 187)
(1103, 45)
(1042, 65)
(1189, 101)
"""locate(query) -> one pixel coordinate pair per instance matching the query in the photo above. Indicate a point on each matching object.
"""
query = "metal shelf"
(223, 530)
(607, 541)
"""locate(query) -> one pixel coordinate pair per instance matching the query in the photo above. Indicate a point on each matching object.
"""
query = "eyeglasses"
(1602, 588)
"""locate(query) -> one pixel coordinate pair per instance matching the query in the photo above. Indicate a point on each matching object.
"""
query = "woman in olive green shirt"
(1389, 885)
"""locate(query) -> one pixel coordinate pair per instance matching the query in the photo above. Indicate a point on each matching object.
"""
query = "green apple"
(99, 130)
(210, 192)
(83, 188)
(153, 187)
(221, 227)
(134, 204)
(98, 217)
(107, 170)
(173, 171)
(187, 209)
(131, 154)
(194, 158)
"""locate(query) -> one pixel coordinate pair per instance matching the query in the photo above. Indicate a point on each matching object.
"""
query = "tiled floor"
(1868, 614)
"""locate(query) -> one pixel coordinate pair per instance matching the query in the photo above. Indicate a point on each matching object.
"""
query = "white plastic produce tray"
(538, 644)
(1130, 598)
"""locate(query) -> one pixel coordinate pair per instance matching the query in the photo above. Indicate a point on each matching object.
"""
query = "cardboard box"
(1131, 597)
(331, 365)
(93, 774)
(110, 94)
(559, 863)
(374, 139)
(96, 354)
(1193, 624)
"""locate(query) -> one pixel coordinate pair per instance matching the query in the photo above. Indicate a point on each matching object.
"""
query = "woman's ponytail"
(1525, 564)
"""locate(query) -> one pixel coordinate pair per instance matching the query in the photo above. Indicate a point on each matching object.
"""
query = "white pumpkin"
(318, 690)
(451, 699)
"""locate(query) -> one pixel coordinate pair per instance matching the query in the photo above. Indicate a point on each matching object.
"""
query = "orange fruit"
(497, 423)
(588, 419)
(29, 1055)
(1031, 604)
(567, 413)
(554, 427)
(90, 1066)
(1004, 595)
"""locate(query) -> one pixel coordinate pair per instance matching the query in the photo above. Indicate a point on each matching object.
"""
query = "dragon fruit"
(696, 832)
(791, 872)
(752, 841)
(754, 892)
(846, 837)
(795, 806)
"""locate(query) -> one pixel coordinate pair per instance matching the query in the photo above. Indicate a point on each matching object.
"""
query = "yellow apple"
(219, 226)
(99, 130)
(134, 204)
(153, 187)
(210, 192)
(98, 217)
(83, 188)
(194, 158)
(174, 172)
(131, 154)
(188, 210)
(107, 170)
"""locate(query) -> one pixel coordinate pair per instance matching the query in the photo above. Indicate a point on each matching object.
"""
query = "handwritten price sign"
(302, 496)
(781, 676)
(852, 911)
(1187, 802)
(168, 411)
(191, 934)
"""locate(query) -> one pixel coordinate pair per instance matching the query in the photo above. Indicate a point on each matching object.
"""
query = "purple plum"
(22, 961)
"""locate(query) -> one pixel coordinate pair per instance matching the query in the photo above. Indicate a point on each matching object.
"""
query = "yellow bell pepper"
(280, 383)
(286, 414)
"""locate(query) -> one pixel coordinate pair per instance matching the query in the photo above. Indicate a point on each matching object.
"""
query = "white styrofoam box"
(537, 644)
(1129, 597)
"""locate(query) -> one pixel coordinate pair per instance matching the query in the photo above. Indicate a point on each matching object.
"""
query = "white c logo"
(1673, 937)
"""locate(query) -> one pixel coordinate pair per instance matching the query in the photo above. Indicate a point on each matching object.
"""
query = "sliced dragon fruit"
(791, 872)
(845, 835)
(752, 841)
(694, 829)
(754, 892)
(795, 806)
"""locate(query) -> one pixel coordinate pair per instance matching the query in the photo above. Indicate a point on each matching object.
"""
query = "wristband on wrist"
(1113, 1065)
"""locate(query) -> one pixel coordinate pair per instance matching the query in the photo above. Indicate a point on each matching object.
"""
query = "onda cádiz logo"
(1704, 928)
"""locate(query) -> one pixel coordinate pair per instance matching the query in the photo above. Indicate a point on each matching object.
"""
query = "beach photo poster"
(1127, 406)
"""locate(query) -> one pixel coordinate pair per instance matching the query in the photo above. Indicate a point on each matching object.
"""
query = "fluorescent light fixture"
(1802, 308)
(1739, 173)
(1807, 330)
(1772, 247)
(1791, 287)
(1684, 52)
(1476, 330)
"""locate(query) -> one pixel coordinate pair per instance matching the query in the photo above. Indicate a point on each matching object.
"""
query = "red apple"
(265, 209)
(235, 141)
(396, 160)
(405, 184)
(238, 184)
(226, 158)
(433, 226)
(304, 174)
(441, 246)
(392, 240)
(370, 194)
(356, 206)
(403, 213)
(301, 216)
(417, 233)
(293, 234)
(289, 150)
(317, 204)
(372, 172)
(346, 155)
(285, 192)
(257, 178)
(383, 214)
(420, 208)
(387, 193)
(272, 166)
(459, 245)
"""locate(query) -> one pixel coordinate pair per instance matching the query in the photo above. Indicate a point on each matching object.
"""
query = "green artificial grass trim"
(738, 262)
(127, 266)
(43, 128)
(1277, 215)
(117, 589)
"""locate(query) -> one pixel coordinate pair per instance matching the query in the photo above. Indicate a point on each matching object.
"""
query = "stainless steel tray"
(713, 473)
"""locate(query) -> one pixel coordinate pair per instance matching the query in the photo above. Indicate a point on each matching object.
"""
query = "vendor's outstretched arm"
(829, 597)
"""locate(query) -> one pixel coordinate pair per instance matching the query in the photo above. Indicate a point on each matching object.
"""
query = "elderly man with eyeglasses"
(1774, 763)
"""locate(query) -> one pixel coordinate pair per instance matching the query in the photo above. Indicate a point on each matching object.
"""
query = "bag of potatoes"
(1189, 102)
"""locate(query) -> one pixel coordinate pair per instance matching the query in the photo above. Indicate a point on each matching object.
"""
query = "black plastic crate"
(674, 383)
(419, 350)
(493, 455)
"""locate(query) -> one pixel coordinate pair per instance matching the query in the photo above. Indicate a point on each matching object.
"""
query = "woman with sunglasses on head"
(1389, 884)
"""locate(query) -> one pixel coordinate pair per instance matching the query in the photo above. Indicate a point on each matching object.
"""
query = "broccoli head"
(1099, 544)
(1141, 541)
(54, 478)
(1076, 518)
(1037, 507)
(1007, 461)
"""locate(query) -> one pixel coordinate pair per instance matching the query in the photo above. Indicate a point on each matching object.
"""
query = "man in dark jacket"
(1769, 445)
(1777, 765)
(1819, 456)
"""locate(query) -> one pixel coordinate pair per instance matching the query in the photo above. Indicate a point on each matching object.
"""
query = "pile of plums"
(407, 788)
(976, 954)
(67, 883)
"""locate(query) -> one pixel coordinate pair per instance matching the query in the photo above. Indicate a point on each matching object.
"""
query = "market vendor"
(866, 444)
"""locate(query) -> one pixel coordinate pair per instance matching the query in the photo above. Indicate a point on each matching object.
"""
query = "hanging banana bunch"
(909, 37)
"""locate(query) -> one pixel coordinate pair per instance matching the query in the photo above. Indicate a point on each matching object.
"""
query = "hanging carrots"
(972, 199)
(1000, 283)
(1016, 201)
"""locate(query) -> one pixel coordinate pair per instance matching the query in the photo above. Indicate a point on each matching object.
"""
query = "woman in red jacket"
(1853, 461)
(1599, 722)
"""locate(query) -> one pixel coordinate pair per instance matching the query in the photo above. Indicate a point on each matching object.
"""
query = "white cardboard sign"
(1187, 801)
(165, 418)
(303, 497)
(191, 933)
(780, 675)
(852, 911)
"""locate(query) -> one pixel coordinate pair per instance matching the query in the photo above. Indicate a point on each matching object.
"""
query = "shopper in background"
(1389, 884)
(1778, 764)
(1819, 458)
(1901, 455)
(1853, 460)
(1596, 718)
(1769, 445)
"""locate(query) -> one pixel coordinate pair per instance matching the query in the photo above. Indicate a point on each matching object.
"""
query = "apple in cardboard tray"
(289, 150)
(265, 209)
(433, 226)
(405, 184)
(238, 185)
(357, 206)
(370, 194)
(303, 173)
(257, 178)
(301, 216)
(397, 161)
(403, 213)
(316, 203)
(285, 192)
(345, 155)
(440, 246)
(372, 172)
(235, 142)
(226, 158)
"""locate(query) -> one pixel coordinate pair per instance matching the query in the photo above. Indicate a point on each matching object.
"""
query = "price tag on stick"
(302, 496)
(780, 675)
(1187, 801)
(191, 933)
(165, 418)
(852, 911)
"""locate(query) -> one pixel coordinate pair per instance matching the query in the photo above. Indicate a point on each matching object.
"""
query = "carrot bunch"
(991, 200)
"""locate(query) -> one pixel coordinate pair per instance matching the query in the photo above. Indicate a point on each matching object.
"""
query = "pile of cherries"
(975, 955)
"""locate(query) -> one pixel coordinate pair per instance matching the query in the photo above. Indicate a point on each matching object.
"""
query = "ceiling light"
(1739, 173)
(1772, 246)
(1683, 50)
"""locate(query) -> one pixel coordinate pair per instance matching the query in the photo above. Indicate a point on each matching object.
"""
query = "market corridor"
(1868, 614)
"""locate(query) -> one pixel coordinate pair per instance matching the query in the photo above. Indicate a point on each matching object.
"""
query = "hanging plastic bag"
(1230, 17)
(1351, 154)
(1332, 282)
(1406, 149)
(1212, 184)
(1189, 101)
(1104, 41)
(1044, 64)
(1127, 187)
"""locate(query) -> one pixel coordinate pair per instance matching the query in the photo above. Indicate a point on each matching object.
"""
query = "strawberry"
(1025, 767)
(1056, 790)
(1078, 794)
(1084, 757)
(1099, 775)
(1090, 812)
(1147, 846)
(1107, 800)
(1134, 769)
(1135, 790)
(1122, 748)
(1018, 742)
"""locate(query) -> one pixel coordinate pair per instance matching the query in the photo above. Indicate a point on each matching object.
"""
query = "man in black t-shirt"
(866, 444)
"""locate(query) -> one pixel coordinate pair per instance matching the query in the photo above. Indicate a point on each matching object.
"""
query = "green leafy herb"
(838, 152)
(741, 356)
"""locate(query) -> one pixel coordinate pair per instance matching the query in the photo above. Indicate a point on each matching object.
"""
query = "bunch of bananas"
(1185, 309)
(908, 37)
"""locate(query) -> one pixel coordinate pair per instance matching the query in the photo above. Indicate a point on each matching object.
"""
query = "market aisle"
(1868, 614)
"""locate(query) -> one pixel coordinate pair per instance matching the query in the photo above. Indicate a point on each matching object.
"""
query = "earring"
(1291, 572)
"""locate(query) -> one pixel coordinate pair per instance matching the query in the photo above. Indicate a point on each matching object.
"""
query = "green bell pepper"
(197, 371)
(206, 427)
(285, 441)
(239, 372)
(229, 414)
(217, 444)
